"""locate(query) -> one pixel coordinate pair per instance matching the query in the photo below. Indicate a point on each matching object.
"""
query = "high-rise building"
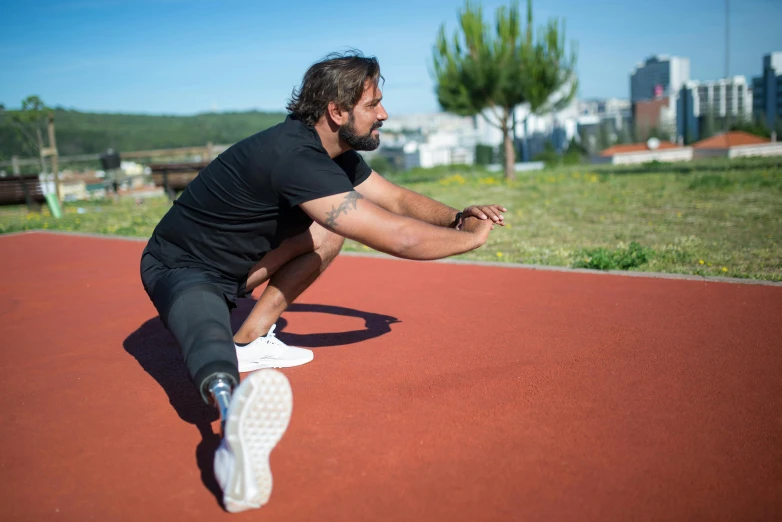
(767, 91)
(705, 108)
(654, 92)
(655, 117)
(658, 77)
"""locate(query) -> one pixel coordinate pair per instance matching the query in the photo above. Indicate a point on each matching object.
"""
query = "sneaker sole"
(260, 412)
(271, 363)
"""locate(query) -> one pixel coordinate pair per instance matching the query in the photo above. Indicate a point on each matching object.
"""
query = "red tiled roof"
(636, 147)
(730, 139)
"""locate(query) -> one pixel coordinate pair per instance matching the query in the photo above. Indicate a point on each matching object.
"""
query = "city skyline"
(177, 57)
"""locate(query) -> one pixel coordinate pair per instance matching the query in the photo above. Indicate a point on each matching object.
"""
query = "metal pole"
(727, 64)
(17, 172)
(727, 38)
(40, 148)
(55, 165)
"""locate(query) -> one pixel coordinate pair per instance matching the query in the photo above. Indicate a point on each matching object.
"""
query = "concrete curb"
(653, 275)
(78, 234)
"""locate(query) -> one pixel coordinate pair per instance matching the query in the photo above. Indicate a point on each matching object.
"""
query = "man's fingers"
(492, 213)
(497, 208)
(475, 211)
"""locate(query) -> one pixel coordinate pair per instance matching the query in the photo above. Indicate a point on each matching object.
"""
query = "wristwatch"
(457, 219)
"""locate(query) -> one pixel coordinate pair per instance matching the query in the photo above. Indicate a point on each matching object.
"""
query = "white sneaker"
(270, 352)
(256, 420)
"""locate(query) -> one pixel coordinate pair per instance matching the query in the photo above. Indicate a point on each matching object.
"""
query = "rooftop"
(636, 147)
(730, 139)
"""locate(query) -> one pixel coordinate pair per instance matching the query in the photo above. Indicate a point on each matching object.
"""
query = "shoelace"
(272, 339)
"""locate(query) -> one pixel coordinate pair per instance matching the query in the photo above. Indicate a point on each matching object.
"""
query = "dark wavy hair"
(338, 78)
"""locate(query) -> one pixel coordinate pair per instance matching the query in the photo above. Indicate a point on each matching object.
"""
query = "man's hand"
(483, 212)
(479, 227)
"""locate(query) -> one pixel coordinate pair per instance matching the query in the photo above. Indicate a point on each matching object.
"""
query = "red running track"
(438, 392)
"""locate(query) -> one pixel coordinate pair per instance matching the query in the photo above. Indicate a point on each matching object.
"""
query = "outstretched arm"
(405, 202)
(351, 215)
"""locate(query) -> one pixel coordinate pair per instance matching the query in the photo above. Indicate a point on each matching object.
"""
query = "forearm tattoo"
(351, 199)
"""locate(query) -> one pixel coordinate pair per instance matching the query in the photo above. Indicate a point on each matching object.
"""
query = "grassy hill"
(89, 133)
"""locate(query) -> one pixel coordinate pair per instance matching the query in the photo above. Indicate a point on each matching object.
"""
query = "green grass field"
(709, 218)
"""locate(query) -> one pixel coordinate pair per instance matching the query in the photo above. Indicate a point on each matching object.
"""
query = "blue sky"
(190, 56)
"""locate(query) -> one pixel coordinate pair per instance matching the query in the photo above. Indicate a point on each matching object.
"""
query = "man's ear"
(337, 115)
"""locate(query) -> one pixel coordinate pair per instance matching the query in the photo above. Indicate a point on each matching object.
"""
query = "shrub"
(613, 259)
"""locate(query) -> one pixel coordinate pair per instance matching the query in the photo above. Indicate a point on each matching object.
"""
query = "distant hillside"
(89, 133)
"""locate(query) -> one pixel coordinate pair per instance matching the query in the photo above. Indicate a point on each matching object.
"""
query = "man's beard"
(358, 142)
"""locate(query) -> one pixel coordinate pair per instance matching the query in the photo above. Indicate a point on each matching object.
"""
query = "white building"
(658, 77)
(440, 149)
(638, 153)
(557, 128)
(767, 91)
(426, 123)
(611, 116)
(433, 139)
(604, 107)
(729, 98)
(428, 140)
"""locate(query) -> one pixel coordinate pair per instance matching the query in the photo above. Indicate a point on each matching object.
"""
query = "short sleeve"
(354, 166)
(305, 173)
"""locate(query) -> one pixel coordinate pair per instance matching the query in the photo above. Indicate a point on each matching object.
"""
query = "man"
(276, 207)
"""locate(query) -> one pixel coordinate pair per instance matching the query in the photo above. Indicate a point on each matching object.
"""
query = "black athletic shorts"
(164, 285)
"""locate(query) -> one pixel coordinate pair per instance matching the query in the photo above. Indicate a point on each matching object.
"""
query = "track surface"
(438, 392)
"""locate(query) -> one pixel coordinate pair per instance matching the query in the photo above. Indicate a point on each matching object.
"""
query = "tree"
(548, 155)
(550, 79)
(603, 138)
(709, 124)
(624, 135)
(480, 71)
(578, 147)
(483, 154)
(381, 164)
(28, 122)
(660, 133)
(757, 128)
(575, 153)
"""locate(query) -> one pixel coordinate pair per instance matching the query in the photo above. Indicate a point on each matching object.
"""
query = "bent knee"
(326, 242)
